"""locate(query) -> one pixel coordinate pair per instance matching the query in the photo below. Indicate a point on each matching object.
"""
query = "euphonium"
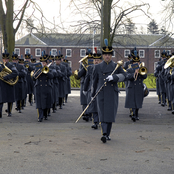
(170, 62)
(6, 71)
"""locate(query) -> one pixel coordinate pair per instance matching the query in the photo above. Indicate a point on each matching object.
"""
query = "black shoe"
(63, 104)
(108, 138)
(103, 138)
(31, 104)
(137, 118)
(49, 115)
(45, 118)
(94, 126)
(169, 109)
(40, 120)
(159, 102)
(162, 104)
(54, 111)
(22, 107)
(0, 115)
(133, 118)
(9, 115)
(60, 107)
(6, 110)
(65, 101)
(172, 111)
(19, 111)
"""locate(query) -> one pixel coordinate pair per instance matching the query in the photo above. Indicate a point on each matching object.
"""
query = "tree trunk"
(9, 27)
(107, 20)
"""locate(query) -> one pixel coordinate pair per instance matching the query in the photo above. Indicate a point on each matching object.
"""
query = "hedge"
(150, 82)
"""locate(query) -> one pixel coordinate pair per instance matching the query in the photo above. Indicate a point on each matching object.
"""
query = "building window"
(82, 52)
(27, 50)
(37, 52)
(53, 52)
(141, 53)
(113, 53)
(17, 51)
(157, 53)
(155, 64)
(68, 52)
(126, 53)
(70, 64)
(168, 51)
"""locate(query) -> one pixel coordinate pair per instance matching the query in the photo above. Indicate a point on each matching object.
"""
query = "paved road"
(60, 146)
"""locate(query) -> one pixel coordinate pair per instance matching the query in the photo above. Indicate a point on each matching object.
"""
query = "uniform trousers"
(106, 128)
(95, 117)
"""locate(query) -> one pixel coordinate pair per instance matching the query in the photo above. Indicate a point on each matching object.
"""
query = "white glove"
(84, 92)
(110, 77)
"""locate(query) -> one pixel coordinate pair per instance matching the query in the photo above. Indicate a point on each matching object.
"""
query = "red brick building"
(74, 46)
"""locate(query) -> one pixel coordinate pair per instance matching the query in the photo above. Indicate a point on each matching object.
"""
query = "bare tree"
(104, 12)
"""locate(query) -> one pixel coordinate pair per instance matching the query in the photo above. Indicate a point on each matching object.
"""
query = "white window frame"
(70, 52)
(81, 52)
(155, 64)
(126, 56)
(155, 54)
(52, 51)
(143, 54)
(37, 55)
(18, 51)
(26, 50)
(113, 54)
(70, 63)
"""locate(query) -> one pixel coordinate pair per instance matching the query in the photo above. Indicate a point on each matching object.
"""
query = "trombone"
(142, 70)
(41, 70)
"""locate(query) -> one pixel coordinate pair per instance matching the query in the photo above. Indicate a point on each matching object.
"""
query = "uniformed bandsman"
(30, 87)
(61, 79)
(6, 88)
(43, 88)
(107, 99)
(135, 87)
(19, 86)
(97, 58)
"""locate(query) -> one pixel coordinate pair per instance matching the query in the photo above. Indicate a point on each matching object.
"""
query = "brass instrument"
(76, 74)
(142, 70)
(44, 70)
(6, 71)
(84, 62)
(26, 64)
(169, 63)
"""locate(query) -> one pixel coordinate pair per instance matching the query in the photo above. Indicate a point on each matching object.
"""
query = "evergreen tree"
(153, 27)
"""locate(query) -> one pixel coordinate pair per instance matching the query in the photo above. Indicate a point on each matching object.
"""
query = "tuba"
(6, 71)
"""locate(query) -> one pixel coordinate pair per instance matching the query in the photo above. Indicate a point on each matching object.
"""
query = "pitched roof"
(59, 39)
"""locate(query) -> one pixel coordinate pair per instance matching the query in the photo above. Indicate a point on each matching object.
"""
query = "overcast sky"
(53, 9)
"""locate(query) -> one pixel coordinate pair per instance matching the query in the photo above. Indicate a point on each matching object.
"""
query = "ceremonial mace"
(119, 63)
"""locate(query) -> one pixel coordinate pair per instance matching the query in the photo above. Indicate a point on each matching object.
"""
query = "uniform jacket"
(81, 76)
(20, 86)
(43, 90)
(135, 90)
(7, 91)
(107, 99)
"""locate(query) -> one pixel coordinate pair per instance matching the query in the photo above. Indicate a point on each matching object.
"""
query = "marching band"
(47, 83)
